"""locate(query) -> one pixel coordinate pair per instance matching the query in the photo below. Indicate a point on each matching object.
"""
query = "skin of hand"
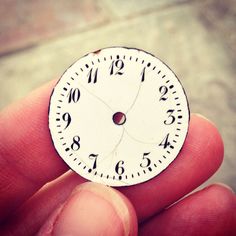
(39, 196)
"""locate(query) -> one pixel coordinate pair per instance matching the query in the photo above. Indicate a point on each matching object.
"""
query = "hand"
(68, 206)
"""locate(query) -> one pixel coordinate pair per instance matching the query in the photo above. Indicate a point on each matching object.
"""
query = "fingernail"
(203, 117)
(93, 209)
(225, 186)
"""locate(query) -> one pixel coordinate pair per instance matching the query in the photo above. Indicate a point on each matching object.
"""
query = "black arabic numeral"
(146, 161)
(163, 90)
(67, 118)
(75, 145)
(165, 142)
(92, 77)
(119, 168)
(74, 95)
(143, 74)
(171, 119)
(94, 157)
(119, 64)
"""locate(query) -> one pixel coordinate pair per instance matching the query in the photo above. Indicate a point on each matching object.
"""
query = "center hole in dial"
(119, 118)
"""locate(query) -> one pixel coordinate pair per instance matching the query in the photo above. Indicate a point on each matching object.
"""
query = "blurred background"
(197, 39)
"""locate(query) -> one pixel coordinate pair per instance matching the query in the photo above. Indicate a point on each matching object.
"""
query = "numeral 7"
(94, 157)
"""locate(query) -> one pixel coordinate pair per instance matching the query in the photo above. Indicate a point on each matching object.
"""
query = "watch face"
(118, 116)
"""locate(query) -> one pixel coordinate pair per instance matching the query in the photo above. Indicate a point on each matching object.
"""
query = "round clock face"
(118, 116)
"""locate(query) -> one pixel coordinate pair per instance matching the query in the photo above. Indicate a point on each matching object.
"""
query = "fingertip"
(211, 130)
(210, 211)
(94, 209)
(205, 135)
(120, 203)
(221, 196)
(223, 186)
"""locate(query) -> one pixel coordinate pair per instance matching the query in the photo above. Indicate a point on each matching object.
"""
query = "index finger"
(28, 159)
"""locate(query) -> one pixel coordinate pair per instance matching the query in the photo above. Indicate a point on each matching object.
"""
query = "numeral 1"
(143, 74)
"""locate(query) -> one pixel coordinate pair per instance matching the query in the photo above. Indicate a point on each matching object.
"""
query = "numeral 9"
(67, 118)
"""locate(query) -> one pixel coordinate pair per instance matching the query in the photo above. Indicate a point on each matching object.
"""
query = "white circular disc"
(118, 116)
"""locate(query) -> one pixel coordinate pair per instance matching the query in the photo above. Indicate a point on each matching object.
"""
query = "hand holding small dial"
(67, 205)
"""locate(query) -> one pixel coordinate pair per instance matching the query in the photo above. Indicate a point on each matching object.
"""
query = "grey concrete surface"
(195, 38)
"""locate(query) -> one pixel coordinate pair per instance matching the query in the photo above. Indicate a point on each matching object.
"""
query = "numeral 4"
(165, 142)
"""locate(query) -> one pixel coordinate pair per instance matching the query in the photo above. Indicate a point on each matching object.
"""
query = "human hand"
(68, 206)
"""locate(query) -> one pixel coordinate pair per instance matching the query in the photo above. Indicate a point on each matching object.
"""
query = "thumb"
(93, 209)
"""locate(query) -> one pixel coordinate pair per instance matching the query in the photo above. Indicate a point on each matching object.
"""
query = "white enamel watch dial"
(118, 116)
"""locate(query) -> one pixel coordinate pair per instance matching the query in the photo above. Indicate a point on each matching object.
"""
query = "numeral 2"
(163, 90)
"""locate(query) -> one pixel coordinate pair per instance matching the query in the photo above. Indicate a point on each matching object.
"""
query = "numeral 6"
(119, 168)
